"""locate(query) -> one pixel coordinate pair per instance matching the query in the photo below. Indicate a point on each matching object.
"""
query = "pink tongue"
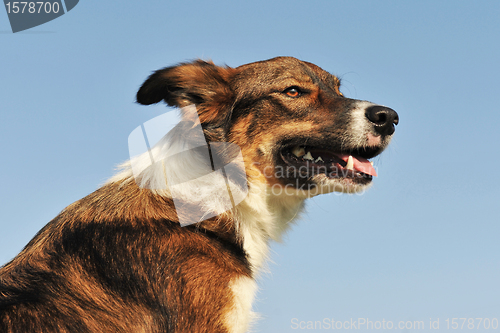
(360, 164)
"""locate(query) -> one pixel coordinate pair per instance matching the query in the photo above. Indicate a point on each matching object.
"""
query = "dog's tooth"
(308, 156)
(319, 159)
(298, 151)
(350, 163)
(371, 163)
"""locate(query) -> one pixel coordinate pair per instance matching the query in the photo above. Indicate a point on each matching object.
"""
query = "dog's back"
(94, 269)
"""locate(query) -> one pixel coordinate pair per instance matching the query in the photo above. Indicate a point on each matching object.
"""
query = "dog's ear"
(198, 82)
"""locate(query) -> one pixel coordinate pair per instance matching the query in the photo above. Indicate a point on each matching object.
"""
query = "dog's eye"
(293, 92)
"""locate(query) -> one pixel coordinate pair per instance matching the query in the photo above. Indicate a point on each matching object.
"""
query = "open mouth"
(310, 161)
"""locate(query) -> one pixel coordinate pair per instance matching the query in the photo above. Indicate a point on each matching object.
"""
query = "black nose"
(382, 118)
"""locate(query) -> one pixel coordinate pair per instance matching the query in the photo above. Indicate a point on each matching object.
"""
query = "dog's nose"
(382, 118)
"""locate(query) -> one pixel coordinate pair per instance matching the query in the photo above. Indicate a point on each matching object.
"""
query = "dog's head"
(295, 128)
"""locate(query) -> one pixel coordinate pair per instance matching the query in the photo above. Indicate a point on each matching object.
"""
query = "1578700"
(471, 323)
(38, 7)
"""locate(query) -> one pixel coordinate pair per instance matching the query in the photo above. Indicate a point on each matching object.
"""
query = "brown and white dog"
(119, 261)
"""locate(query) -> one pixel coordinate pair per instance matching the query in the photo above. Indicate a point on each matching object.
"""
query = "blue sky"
(421, 244)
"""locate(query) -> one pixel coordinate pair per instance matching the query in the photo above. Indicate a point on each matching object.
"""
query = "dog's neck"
(264, 216)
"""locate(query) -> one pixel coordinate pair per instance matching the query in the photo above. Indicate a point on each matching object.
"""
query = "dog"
(119, 260)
